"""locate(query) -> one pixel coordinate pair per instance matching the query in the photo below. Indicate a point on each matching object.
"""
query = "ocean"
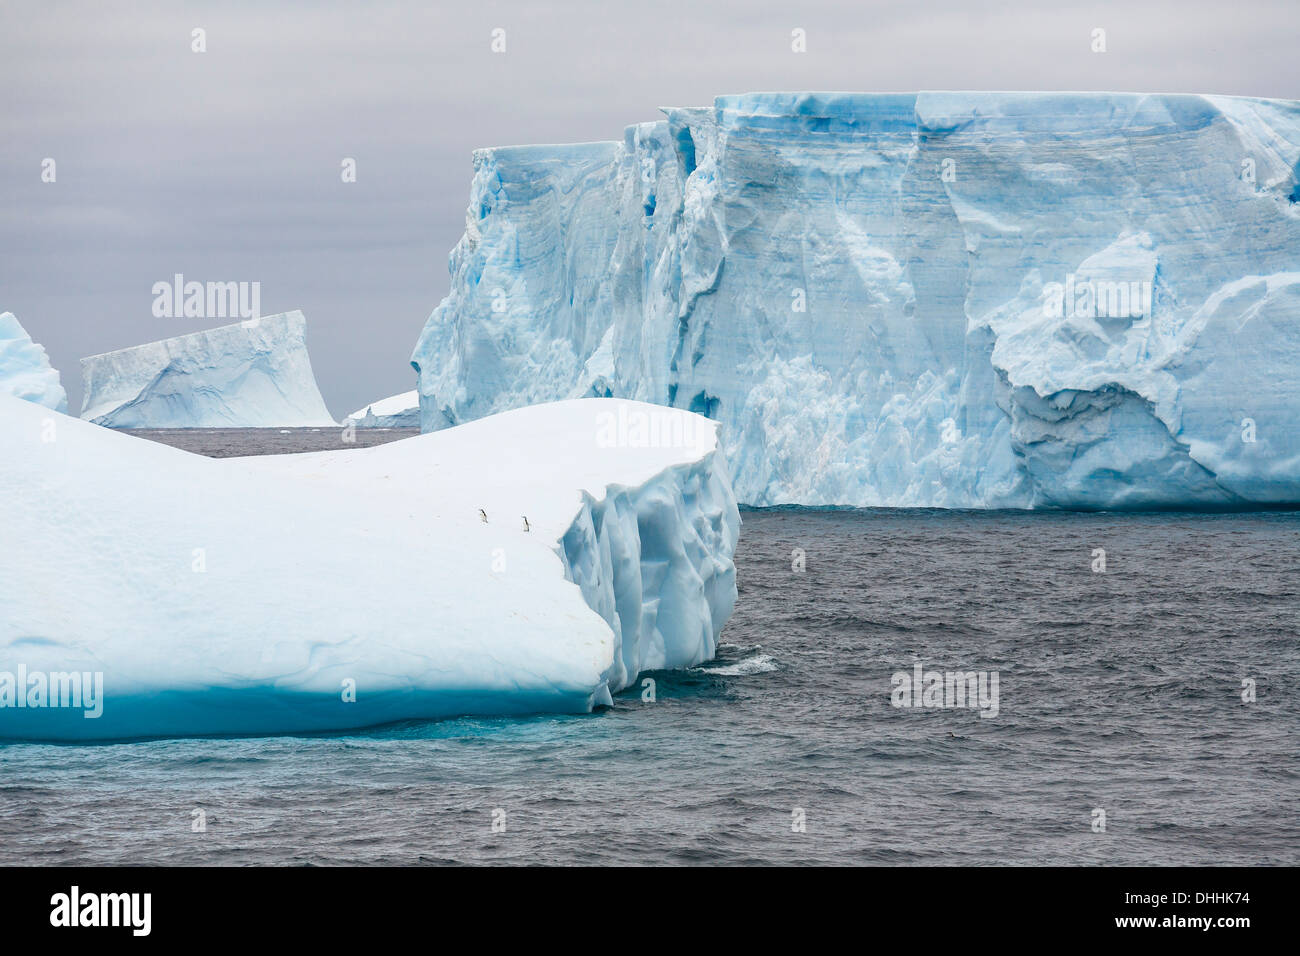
(1145, 713)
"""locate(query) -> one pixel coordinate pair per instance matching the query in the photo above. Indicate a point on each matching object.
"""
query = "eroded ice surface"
(867, 291)
(25, 370)
(252, 374)
(396, 411)
(241, 595)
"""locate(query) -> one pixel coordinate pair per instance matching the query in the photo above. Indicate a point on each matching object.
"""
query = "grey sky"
(225, 165)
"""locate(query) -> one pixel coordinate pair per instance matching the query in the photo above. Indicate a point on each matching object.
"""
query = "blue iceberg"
(534, 561)
(25, 370)
(965, 300)
(251, 374)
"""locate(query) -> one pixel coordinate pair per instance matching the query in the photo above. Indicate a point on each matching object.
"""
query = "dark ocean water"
(1118, 691)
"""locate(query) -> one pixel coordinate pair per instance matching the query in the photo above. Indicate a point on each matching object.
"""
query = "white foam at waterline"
(759, 664)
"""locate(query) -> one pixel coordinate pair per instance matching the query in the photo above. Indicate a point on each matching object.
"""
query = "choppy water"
(230, 442)
(1118, 691)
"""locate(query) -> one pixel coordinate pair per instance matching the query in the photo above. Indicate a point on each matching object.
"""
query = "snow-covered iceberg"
(936, 299)
(343, 589)
(25, 370)
(253, 374)
(396, 411)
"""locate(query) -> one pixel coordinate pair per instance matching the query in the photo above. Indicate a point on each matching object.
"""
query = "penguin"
(482, 515)
(525, 522)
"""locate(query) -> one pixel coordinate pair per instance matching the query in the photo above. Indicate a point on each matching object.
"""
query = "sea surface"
(1120, 692)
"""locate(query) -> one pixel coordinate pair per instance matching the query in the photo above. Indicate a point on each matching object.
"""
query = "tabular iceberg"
(344, 589)
(933, 299)
(253, 374)
(25, 370)
(396, 411)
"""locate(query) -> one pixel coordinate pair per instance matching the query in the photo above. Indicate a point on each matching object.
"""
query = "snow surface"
(25, 370)
(253, 374)
(923, 235)
(238, 595)
(396, 411)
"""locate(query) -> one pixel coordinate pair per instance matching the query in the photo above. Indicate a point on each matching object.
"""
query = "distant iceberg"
(253, 374)
(182, 595)
(964, 300)
(25, 370)
(396, 411)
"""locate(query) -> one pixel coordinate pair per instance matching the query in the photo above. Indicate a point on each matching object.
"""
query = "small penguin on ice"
(482, 515)
(525, 522)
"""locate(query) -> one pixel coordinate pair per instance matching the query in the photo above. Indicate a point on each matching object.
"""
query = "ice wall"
(253, 374)
(881, 296)
(25, 370)
(396, 411)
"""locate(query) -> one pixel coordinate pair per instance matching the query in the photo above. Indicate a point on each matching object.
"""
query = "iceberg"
(534, 561)
(396, 411)
(25, 370)
(963, 300)
(252, 374)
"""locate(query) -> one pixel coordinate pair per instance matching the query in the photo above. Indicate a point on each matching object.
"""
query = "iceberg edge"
(284, 610)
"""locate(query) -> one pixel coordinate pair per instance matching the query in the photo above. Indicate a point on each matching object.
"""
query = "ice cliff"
(253, 374)
(396, 411)
(937, 299)
(25, 368)
(532, 561)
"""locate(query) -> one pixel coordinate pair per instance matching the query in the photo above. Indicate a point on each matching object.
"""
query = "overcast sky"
(225, 165)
